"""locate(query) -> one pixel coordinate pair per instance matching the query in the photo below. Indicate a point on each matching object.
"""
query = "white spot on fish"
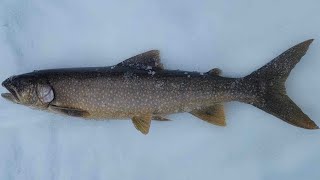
(160, 84)
(151, 72)
(233, 85)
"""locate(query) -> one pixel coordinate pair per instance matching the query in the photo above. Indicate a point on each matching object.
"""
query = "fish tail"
(272, 96)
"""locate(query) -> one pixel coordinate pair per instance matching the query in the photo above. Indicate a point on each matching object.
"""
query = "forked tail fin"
(272, 77)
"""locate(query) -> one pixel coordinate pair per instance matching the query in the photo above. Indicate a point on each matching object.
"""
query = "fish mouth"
(10, 97)
(12, 94)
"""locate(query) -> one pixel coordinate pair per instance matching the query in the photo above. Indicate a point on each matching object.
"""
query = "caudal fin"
(272, 77)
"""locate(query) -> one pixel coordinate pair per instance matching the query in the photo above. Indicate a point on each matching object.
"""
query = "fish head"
(28, 90)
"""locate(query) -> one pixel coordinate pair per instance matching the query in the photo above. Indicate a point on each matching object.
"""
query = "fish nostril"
(8, 81)
(11, 78)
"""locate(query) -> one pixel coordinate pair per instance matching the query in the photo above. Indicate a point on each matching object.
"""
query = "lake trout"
(140, 89)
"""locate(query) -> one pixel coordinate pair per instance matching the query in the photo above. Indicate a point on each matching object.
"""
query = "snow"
(235, 36)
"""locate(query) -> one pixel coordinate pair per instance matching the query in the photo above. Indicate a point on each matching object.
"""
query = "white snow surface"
(195, 35)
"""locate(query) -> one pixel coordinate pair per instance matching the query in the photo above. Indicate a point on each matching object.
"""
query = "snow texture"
(235, 36)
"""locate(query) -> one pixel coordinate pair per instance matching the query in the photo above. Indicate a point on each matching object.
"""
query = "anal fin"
(212, 114)
(142, 123)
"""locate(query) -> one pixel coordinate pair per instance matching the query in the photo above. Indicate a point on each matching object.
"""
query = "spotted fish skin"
(124, 93)
(141, 89)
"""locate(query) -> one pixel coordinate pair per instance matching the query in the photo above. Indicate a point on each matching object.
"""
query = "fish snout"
(11, 95)
(6, 83)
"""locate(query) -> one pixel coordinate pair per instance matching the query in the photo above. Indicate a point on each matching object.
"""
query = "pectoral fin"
(212, 114)
(142, 123)
(69, 111)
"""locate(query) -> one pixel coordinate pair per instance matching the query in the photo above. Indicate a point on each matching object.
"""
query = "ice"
(193, 35)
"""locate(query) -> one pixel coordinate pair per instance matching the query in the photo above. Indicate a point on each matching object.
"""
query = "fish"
(141, 89)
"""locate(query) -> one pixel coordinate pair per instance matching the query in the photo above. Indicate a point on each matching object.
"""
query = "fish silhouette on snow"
(140, 89)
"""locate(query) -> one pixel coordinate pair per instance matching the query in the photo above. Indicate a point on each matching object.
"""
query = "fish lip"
(9, 97)
(12, 94)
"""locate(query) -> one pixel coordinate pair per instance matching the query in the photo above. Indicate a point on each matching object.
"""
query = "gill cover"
(45, 93)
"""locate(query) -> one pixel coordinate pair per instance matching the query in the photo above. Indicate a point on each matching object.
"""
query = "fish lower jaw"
(10, 97)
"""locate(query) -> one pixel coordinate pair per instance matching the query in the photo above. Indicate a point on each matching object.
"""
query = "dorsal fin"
(214, 72)
(149, 60)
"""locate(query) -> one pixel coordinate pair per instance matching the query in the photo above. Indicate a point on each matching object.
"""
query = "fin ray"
(213, 114)
(142, 123)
